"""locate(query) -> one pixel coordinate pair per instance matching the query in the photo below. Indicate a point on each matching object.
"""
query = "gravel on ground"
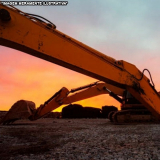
(79, 139)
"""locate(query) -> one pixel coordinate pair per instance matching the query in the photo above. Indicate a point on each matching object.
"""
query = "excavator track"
(132, 116)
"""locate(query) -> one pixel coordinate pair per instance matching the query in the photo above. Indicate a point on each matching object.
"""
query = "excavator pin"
(4, 15)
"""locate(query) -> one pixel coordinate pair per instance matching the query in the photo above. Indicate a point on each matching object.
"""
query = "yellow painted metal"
(51, 105)
(64, 97)
(29, 35)
(96, 90)
(32, 37)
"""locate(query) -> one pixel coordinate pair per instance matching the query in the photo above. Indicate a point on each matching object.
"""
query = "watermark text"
(35, 3)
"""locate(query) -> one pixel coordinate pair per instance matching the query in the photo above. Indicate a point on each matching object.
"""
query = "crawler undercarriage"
(132, 116)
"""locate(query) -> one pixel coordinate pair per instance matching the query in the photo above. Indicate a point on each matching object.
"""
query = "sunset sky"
(125, 30)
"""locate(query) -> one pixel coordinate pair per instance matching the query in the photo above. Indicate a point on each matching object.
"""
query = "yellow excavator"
(39, 37)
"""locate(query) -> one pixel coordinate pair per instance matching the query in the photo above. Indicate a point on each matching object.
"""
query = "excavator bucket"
(22, 109)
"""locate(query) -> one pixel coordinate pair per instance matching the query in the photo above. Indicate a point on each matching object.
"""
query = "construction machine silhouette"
(123, 81)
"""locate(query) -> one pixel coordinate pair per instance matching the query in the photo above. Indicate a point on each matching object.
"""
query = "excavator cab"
(129, 102)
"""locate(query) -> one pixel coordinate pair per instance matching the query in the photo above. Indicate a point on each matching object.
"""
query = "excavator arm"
(63, 97)
(43, 40)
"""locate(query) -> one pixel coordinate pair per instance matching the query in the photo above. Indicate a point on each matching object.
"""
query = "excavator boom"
(38, 39)
(43, 40)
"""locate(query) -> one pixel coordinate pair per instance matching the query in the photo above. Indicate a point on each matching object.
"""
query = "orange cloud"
(26, 77)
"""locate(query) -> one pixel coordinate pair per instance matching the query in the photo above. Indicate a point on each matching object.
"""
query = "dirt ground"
(28, 140)
(26, 137)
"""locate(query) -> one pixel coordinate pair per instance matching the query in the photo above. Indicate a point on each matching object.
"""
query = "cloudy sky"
(125, 30)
